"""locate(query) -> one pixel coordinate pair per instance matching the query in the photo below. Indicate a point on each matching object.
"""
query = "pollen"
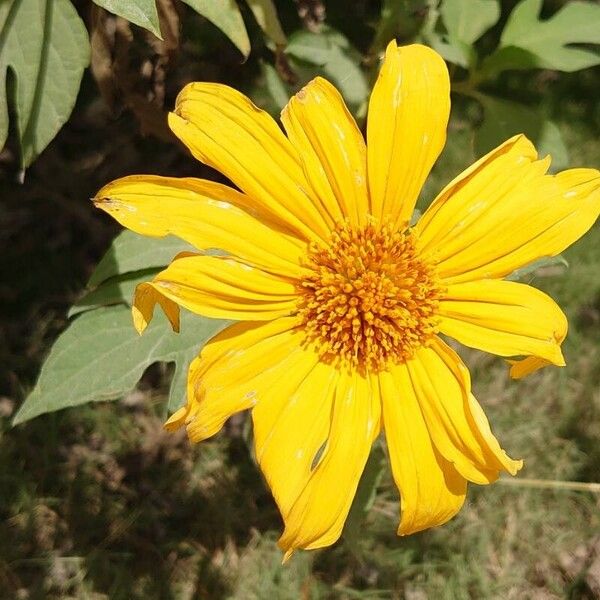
(369, 299)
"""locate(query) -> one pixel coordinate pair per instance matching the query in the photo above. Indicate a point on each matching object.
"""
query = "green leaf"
(467, 20)
(226, 15)
(266, 16)
(101, 357)
(275, 86)
(548, 41)
(45, 45)
(139, 12)
(503, 119)
(309, 47)
(133, 252)
(331, 55)
(453, 51)
(117, 290)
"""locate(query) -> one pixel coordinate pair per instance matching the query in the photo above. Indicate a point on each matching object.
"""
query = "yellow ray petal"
(526, 366)
(317, 517)
(431, 489)
(291, 426)
(142, 310)
(406, 128)
(504, 212)
(223, 129)
(442, 385)
(219, 287)
(203, 213)
(241, 366)
(332, 150)
(504, 318)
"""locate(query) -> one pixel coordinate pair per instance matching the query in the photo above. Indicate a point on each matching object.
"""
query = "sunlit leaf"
(44, 44)
(139, 12)
(503, 119)
(467, 20)
(226, 15)
(101, 357)
(132, 252)
(549, 41)
(117, 290)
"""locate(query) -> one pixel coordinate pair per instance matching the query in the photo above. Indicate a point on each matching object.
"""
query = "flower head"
(339, 301)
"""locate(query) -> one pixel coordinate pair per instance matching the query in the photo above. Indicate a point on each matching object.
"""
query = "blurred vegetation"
(97, 501)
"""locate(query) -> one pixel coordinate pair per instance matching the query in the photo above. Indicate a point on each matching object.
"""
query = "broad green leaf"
(503, 119)
(266, 16)
(101, 357)
(117, 290)
(549, 41)
(45, 45)
(226, 15)
(504, 59)
(467, 20)
(529, 271)
(139, 12)
(309, 47)
(132, 252)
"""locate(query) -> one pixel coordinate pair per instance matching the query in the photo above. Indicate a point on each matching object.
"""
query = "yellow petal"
(223, 129)
(505, 212)
(291, 426)
(203, 213)
(526, 366)
(221, 288)
(142, 310)
(406, 128)
(504, 318)
(241, 366)
(431, 489)
(442, 386)
(332, 150)
(317, 517)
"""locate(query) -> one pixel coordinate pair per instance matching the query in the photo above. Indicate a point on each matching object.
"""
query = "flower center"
(369, 299)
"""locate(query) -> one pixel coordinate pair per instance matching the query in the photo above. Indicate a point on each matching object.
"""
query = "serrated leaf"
(266, 16)
(45, 45)
(503, 119)
(101, 357)
(139, 12)
(226, 15)
(548, 41)
(132, 252)
(467, 20)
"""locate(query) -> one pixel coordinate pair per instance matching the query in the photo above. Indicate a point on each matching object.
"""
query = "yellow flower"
(339, 301)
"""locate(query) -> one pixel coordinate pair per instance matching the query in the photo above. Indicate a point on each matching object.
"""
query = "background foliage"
(97, 501)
